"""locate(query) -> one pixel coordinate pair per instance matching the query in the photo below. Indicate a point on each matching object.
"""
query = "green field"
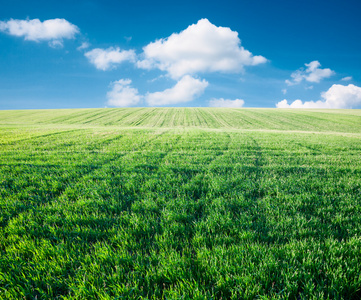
(180, 203)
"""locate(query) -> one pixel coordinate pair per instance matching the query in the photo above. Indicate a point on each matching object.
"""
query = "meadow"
(180, 203)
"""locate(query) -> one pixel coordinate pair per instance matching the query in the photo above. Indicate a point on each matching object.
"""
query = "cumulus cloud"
(226, 103)
(337, 96)
(202, 47)
(105, 59)
(53, 30)
(185, 90)
(122, 94)
(313, 73)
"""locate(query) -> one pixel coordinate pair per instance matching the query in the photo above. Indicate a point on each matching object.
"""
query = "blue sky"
(80, 54)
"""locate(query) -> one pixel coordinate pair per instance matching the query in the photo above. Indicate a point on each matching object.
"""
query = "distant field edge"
(263, 119)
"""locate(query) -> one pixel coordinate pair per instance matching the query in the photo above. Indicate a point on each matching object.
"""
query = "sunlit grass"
(180, 204)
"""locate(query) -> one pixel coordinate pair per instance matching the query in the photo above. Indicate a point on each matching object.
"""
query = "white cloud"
(348, 78)
(84, 45)
(299, 104)
(226, 103)
(297, 77)
(337, 96)
(202, 47)
(105, 59)
(311, 74)
(284, 91)
(122, 94)
(284, 104)
(341, 96)
(185, 90)
(315, 74)
(53, 30)
(56, 44)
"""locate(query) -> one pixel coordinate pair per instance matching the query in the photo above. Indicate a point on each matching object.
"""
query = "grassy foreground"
(180, 203)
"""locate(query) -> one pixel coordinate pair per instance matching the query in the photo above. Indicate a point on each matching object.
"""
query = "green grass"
(180, 203)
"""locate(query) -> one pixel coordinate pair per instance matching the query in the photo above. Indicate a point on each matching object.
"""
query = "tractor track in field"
(92, 169)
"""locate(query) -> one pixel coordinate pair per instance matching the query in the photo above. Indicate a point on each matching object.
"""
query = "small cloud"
(311, 74)
(128, 38)
(84, 45)
(309, 87)
(122, 94)
(348, 78)
(202, 47)
(105, 59)
(337, 96)
(237, 103)
(185, 90)
(53, 30)
(56, 44)
(284, 91)
(155, 79)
